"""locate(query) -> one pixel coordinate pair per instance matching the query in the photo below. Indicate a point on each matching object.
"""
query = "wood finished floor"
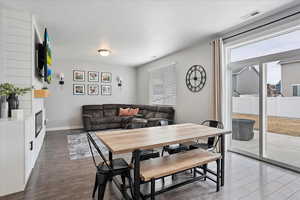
(56, 177)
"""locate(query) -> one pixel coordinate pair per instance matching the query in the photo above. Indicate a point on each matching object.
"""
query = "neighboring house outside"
(245, 81)
(290, 77)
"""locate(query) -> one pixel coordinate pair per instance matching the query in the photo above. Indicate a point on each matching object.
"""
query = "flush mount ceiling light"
(104, 52)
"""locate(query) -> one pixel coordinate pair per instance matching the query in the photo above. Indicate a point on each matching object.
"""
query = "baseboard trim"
(63, 128)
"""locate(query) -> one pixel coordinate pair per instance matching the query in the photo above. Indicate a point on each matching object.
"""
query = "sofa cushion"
(166, 109)
(149, 115)
(110, 112)
(92, 107)
(114, 119)
(139, 120)
(154, 121)
(151, 108)
(93, 111)
(161, 115)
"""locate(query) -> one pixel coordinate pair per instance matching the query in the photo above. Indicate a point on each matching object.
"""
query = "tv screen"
(47, 57)
(43, 59)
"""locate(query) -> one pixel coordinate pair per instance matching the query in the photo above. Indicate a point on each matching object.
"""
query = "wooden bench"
(172, 164)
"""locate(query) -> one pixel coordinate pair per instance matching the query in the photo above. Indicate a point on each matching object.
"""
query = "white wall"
(290, 73)
(64, 109)
(191, 107)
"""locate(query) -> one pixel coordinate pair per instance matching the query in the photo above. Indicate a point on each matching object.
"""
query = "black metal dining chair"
(172, 149)
(107, 170)
(210, 145)
(147, 154)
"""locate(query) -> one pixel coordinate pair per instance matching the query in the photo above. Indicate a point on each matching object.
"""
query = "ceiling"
(136, 31)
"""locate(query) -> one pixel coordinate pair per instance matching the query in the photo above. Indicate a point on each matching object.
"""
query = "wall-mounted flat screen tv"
(44, 58)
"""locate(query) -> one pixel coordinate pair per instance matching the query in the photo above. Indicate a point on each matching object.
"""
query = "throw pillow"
(134, 111)
(124, 112)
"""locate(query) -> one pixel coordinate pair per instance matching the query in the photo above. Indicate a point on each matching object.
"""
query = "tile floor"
(56, 177)
(279, 147)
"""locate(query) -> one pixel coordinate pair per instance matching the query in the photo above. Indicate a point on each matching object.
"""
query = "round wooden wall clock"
(195, 78)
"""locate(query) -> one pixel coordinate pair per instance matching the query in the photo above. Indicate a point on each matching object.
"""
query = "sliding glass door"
(265, 99)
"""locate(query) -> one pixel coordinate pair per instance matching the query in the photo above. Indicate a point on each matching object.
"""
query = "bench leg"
(152, 189)
(218, 175)
(163, 181)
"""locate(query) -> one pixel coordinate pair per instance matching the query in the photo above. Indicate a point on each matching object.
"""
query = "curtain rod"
(261, 26)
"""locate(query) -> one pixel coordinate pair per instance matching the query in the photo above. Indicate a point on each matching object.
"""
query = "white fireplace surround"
(19, 148)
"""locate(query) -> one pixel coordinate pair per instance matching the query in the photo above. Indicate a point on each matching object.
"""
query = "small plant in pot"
(11, 94)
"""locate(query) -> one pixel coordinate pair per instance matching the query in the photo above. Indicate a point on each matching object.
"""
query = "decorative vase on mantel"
(13, 103)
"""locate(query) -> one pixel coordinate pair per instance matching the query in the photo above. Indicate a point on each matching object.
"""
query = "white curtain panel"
(217, 46)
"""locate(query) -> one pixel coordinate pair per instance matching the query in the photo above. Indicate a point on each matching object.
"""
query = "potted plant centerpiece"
(11, 94)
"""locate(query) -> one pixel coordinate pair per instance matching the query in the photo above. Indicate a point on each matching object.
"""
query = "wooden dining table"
(135, 140)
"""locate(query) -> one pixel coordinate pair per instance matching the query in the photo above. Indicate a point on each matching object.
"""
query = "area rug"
(79, 148)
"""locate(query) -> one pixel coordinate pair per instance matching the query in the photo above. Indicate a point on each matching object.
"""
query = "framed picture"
(106, 77)
(78, 89)
(93, 89)
(78, 75)
(106, 90)
(93, 76)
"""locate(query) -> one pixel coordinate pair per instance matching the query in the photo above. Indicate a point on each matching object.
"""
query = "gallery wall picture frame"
(78, 75)
(106, 77)
(93, 89)
(93, 76)
(106, 90)
(78, 89)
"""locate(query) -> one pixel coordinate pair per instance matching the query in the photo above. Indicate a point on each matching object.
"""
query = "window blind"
(162, 85)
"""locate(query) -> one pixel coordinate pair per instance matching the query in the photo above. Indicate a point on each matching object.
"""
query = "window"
(162, 85)
(296, 90)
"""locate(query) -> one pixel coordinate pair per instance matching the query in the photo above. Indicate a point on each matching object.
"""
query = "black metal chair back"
(91, 140)
(214, 124)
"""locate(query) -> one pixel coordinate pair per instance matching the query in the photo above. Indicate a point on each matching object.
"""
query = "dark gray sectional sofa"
(106, 116)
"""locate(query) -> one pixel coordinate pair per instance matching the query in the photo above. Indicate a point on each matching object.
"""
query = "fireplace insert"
(38, 122)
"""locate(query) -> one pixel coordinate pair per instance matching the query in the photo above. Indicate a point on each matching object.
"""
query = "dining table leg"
(110, 158)
(223, 159)
(136, 180)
